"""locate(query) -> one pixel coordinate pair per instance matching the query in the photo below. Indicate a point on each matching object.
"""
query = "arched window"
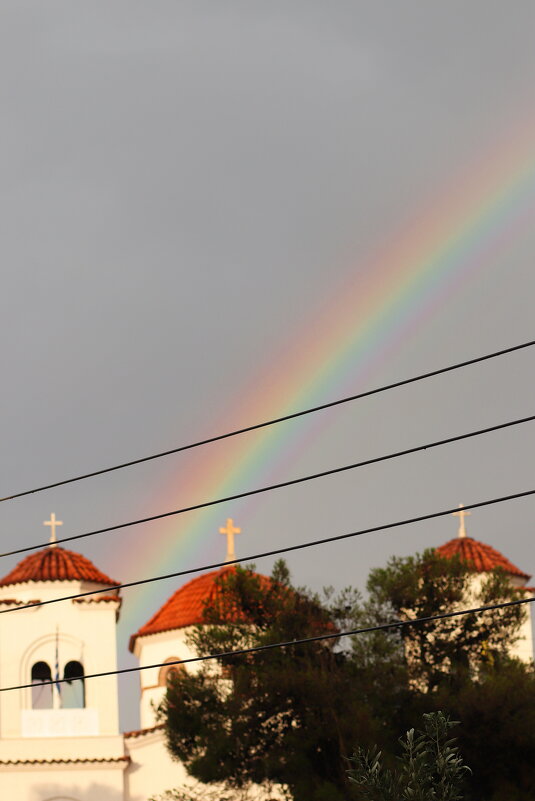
(41, 693)
(73, 688)
(168, 671)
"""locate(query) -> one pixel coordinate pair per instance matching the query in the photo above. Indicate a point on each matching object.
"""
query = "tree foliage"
(291, 716)
(449, 649)
(497, 736)
(285, 715)
(430, 767)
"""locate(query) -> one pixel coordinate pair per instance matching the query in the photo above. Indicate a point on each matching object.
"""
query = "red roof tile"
(481, 557)
(186, 606)
(66, 761)
(55, 564)
(143, 732)
(13, 602)
(98, 599)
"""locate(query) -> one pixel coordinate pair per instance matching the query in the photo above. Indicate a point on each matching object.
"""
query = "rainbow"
(418, 270)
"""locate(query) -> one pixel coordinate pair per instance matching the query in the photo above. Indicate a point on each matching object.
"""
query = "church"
(62, 742)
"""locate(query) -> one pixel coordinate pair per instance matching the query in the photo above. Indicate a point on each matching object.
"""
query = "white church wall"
(523, 647)
(101, 655)
(83, 632)
(154, 649)
(59, 722)
(152, 770)
(74, 782)
(57, 748)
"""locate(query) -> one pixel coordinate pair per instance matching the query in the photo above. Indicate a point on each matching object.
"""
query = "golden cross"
(461, 514)
(52, 523)
(230, 530)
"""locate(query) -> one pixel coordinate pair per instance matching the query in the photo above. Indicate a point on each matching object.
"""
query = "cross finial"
(52, 523)
(461, 514)
(230, 530)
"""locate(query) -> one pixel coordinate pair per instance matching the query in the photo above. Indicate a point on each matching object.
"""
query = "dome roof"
(483, 558)
(55, 564)
(185, 607)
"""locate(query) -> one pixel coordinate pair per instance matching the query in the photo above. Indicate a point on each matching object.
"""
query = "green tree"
(497, 736)
(430, 767)
(288, 715)
(445, 650)
(462, 666)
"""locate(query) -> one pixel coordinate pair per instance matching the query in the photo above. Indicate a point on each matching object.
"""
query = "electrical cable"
(270, 646)
(323, 474)
(274, 552)
(273, 421)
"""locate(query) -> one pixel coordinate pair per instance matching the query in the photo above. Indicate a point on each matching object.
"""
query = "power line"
(273, 421)
(323, 474)
(274, 552)
(271, 646)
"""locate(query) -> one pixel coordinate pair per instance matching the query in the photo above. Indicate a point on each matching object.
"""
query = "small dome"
(55, 564)
(185, 607)
(483, 558)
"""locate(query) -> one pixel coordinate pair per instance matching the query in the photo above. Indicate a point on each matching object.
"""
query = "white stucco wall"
(523, 647)
(83, 632)
(75, 782)
(86, 632)
(151, 770)
(154, 649)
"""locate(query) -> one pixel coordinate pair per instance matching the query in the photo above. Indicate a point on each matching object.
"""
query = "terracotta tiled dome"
(55, 564)
(185, 607)
(481, 557)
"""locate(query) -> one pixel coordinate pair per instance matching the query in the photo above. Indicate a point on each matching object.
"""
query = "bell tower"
(48, 648)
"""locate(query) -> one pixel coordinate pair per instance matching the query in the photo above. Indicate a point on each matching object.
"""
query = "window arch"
(73, 688)
(41, 693)
(168, 671)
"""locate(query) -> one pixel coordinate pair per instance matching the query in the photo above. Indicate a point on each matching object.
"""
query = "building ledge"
(66, 761)
(143, 732)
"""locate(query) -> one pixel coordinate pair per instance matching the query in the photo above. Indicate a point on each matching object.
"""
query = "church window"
(167, 672)
(41, 692)
(73, 688)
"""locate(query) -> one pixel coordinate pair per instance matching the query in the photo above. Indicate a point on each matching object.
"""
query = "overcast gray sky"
(186, 186)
